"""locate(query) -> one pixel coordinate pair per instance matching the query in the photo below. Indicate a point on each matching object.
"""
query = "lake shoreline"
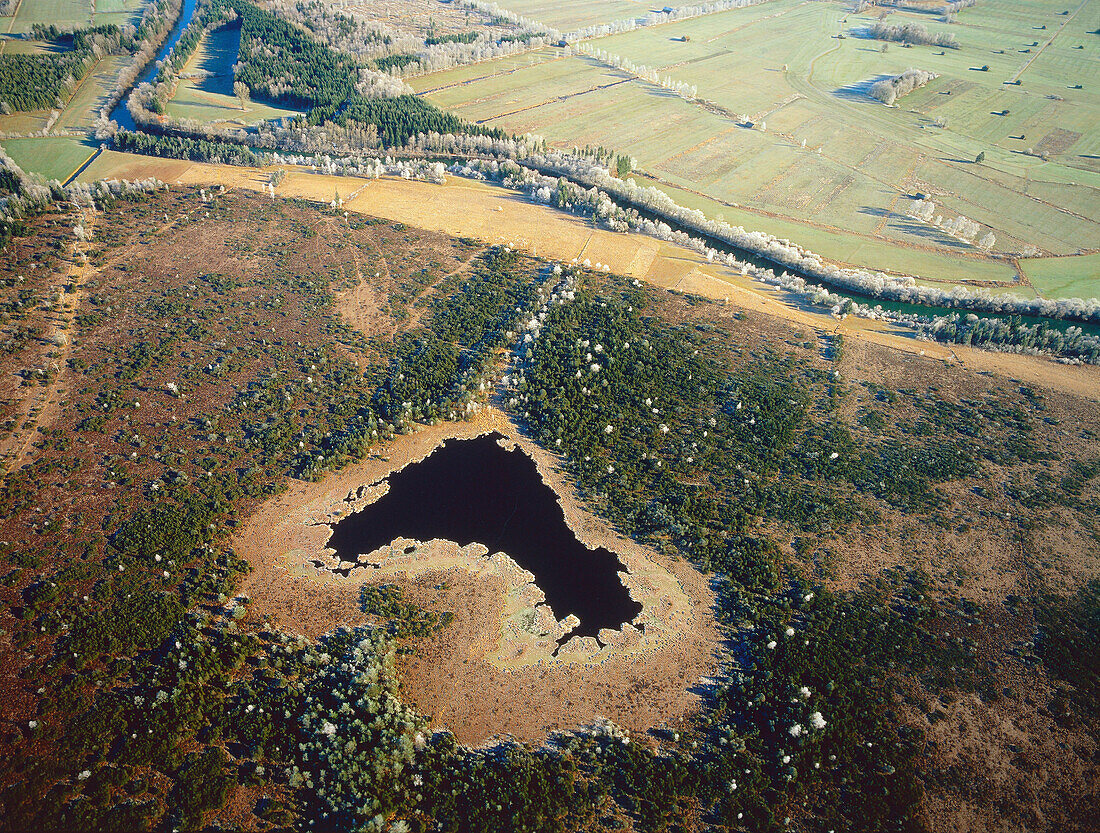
(511, 634)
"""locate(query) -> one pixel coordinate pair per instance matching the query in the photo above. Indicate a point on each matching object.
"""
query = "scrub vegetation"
(903, 558)
(144, 694)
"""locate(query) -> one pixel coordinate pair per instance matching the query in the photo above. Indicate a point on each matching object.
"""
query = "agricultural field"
(16, 45)
(118, 11)
(1063, 277)
(773, 76)
(53, 157)
(419, 18)
(60, 154)
(205, 91)
(73, 13)
(576, 14)
(80, 112)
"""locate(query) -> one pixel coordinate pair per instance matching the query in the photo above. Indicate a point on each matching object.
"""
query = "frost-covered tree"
(889, 90)
(240, 90)
(911, 33)
(359, 741)
(922, 210)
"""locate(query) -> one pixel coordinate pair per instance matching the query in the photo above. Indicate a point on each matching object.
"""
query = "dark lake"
(471, 491)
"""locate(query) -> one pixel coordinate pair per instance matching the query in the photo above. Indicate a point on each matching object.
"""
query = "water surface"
(471, 491)
(121, 114)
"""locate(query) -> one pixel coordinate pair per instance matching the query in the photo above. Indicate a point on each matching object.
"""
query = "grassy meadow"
(53, 157)
(1068, 277)
(780, 67)
(75, 13)
(575, 14)
(72, 13)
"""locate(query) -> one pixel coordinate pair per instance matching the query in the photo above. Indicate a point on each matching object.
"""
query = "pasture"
(118, 12)
(575, 14)
(53, 157)
(80, 112)
(775, 75)
(75, 13)
(1064, 277)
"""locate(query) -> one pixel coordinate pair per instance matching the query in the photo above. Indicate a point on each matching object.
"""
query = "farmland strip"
(552, 101)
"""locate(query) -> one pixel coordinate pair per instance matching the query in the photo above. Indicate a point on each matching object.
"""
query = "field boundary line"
(789, 100)
(901, 187)
(554, 100)
(1062, 27)
(1031, 197)
(79, 168)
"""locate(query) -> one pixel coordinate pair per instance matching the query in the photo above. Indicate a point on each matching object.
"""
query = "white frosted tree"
(922, 209)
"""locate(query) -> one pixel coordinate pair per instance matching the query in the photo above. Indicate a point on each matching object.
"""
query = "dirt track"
(39, 407)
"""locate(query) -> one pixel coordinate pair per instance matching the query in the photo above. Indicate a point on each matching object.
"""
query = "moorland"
(291, 251)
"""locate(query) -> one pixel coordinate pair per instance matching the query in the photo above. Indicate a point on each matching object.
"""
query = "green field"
(91, 95)
(54, 158)
(780, 63)
(1064, 277)
(74, 13)
(118, 12)
(575, 14)
(20, 122)
(209, 97)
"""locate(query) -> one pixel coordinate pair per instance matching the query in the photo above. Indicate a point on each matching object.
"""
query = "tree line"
(281, 62)
(912, 33)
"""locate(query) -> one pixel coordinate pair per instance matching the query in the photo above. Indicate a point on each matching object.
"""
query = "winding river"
(120, 113)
